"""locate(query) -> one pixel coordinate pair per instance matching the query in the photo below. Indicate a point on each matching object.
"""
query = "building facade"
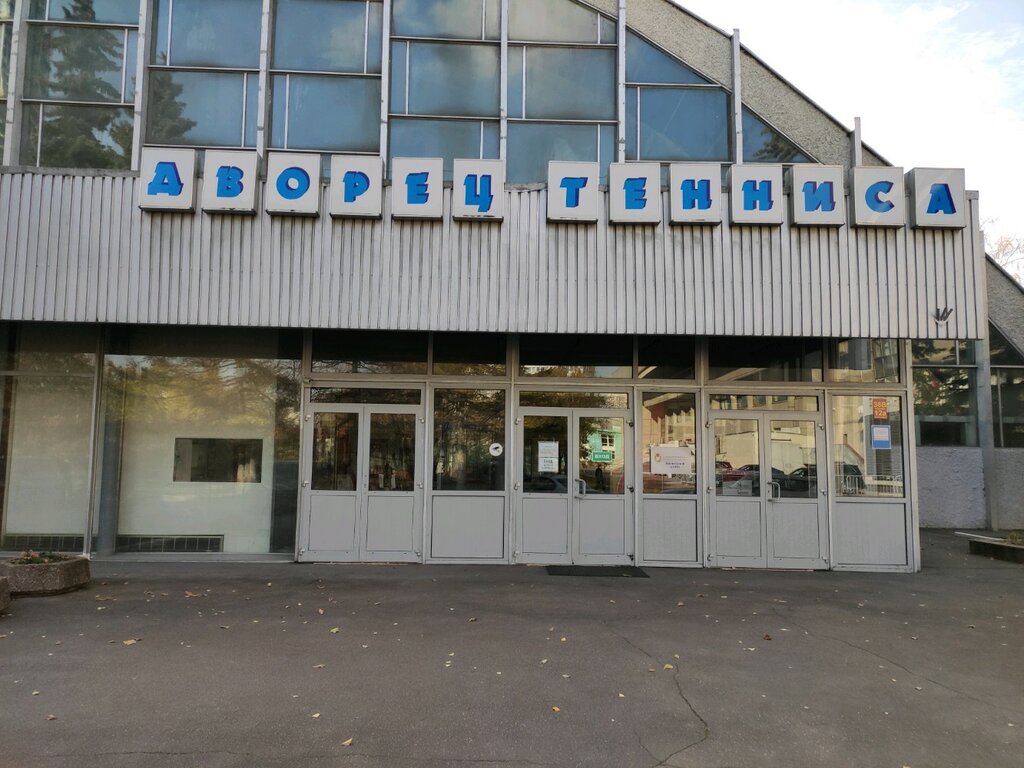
(488, 281)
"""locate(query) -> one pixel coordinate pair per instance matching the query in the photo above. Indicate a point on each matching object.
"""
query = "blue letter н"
(873, 197)
(417, 191)
(757, 196)
(636, 193)
(229, 181)
(819, 197)
(696, 194)
(572, 186)
(941, 200)
(356, 183)
(285, 180)
(166, 180)
(478, 192)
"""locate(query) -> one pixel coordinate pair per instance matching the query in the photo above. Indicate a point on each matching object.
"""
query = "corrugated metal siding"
(76, 248)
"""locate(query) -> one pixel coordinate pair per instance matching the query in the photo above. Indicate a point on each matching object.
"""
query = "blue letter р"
(873, 197)
(819, 197)
(757, 196)
(696, 194)
(478, 192)
(293, 183)
(166, 180)
(941, 200)
(417, 192)
(636, 194)
(229, 181)
(572, 186)
(356, 183)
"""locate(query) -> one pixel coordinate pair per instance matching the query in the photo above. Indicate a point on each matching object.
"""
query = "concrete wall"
(1006, 304)
(1008, 487)
(950, 487)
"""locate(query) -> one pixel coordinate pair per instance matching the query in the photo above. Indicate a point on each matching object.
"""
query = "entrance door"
(363, 488)
(573, 499)
(767, 508)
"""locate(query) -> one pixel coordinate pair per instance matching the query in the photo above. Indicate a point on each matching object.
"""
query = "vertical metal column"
(385, 81)
(503, 113)
(141, 86)
(16, 84)
(621, 83)
(263, 103)
(737, 97)
(856, 146)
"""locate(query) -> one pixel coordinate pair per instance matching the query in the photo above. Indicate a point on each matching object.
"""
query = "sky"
(936, 83)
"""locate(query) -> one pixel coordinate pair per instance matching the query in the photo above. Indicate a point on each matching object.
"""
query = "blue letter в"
(293, 183)
(636, 193)
(941, 200)
(757, 196)
(478, 191)
(572, 186)
(819, 197)
(696, 194)
(873, 197)
(229, 181)
(166, 180)
(417, 192)
(356, 183)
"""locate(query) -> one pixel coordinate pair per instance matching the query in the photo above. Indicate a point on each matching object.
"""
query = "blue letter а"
(356, 183)
(572, 186)
(229, 181)
(417, 192)
(636, 194)
(696, 194)
(941, 200)
(819, 197)
(478, 192)
(757, 196)
(166, 180)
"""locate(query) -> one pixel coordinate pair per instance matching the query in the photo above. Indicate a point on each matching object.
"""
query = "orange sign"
(880, 409)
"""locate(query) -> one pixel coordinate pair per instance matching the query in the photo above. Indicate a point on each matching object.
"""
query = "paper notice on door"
(671, 460)
(547, 456)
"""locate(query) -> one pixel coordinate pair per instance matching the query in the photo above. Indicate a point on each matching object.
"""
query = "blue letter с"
(873, 197)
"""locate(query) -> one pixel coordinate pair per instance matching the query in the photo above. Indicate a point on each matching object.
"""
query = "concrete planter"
(5, 594)
(45, 578)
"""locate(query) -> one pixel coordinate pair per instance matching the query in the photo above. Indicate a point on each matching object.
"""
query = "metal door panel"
(390, 520)
(545, 529)
(738, 532)
(601, 529)
(332, 523)
(670, 529)
(796, 512)
(793, 533)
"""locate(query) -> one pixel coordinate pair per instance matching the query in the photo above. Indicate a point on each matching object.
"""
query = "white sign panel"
(937, 198)
(695, 193)
(417, 187)
(230, 181)
(293, 184)
(357, 186)
(547, 456)
(167, 179)
(756, 194)
(573, 193)
(817, 196)
(634, 193)
(671, 460)
(878, 197)
(478, 190)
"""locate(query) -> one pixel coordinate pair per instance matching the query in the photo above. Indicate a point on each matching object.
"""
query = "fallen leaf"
(622, 695)
(472, 620)
(131, 641)
(668, 666)
(103, 598)
(566, 677)
(564, 639)
(680, 604)
(347, 743)
(319, 666)
(194, 594)
(767, 637)
(225, 626)
(35, 693)
(51, 717)
(543, 661)
(270, 583)
(320, 611)
(315, 715)
(335, 630)
(556, 709)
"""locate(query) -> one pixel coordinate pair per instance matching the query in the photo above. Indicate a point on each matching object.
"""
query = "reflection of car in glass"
(802, 481)
(546, 484)
(849, 478)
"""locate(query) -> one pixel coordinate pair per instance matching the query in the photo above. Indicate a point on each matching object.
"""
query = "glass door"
(602, 513)
(331, 488)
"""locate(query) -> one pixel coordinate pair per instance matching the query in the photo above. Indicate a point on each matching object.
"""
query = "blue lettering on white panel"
(819, 197)
(293, 183)
(941, 200)
(573, 185)
(478, 192)
(757, 196)
(229, 181)
(636, 193)
(166, 180)
(356, 184)
(417, 190)
(696, 194)
(873, 197)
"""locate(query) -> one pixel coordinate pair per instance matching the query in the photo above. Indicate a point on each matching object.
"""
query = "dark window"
(752, 359)
(1001, 350)
(384, 352)
(218, 460)
(763, 144)
(576, 356)
(469, 354)
(666, 357)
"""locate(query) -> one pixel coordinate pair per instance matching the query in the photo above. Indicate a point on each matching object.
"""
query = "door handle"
(582, 488)
(774, 491)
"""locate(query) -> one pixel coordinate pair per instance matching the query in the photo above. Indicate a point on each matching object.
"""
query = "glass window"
(602, 454)
(217, 460)
(576, 356)
(865, 361)
(560, 21)
(942, 352)
(553, 83)
(804, 403)
(204, 34)
(448, 139)
(617, 400)
(763, 144)
(1001, 350)
(462, 19)
(48, 348)
(326, 113)
(5, 57)
(392, 455)
(545, 454)
(323, 36)
(751, 359)
(1008, 407)
(470, 354)
(737, 457)
(868, 445)
(683, 124)
(109, 11)
(75, 63)
(199, 108)
(375, 396)
(793, 457)
(646, 63)
(453, 79)
(67, 136)
(380, 352)
(669, 442)
(945, 406)
(666, 357)
(532, 145)
(468, 423)
(335, 452)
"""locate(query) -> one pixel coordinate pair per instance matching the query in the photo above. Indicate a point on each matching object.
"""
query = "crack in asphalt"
(347, 755)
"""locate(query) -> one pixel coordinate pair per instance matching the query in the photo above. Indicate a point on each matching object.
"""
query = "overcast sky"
(935, 82)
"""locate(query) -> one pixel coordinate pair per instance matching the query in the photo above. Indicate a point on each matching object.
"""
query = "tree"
(1008, 252)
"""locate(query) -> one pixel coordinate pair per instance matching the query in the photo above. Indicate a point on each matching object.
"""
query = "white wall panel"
(77, 248)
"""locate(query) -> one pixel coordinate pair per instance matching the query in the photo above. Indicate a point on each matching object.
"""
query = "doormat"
(629, 571)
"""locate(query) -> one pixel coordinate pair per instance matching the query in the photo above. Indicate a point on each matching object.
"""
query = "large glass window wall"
(1007, 390)
(867, 450)
(945, 393)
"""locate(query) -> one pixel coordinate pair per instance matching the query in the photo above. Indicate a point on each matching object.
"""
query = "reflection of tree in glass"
(466, 422)
(166, 121)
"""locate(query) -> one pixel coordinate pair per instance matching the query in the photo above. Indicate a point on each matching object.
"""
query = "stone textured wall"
(1008, 488)
(950, 487)
(1005, 304)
